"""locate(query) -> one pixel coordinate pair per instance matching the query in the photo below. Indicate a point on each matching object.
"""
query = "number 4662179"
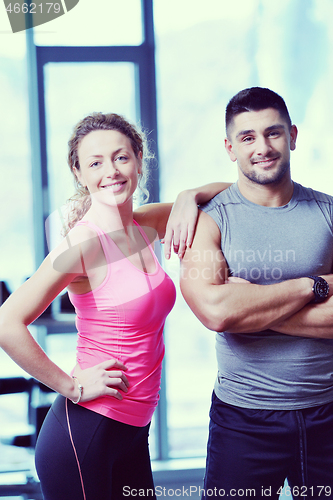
(34, 8)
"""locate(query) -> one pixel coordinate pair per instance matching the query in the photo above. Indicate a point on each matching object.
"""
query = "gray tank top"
(266, 245)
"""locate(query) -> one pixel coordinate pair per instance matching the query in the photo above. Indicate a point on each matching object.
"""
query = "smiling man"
(264, 283)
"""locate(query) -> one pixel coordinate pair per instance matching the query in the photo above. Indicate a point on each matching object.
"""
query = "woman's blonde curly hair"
(80, 202)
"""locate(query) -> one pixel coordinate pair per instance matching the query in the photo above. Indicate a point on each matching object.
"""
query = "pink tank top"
(123, 318)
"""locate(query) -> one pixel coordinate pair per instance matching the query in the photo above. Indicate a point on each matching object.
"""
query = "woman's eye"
(122, 158)
(95, 164)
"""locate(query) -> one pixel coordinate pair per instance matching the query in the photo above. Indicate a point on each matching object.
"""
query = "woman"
(94, 441)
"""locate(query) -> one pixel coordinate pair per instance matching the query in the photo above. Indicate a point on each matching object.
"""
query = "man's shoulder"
(307, 194)
(223, 198)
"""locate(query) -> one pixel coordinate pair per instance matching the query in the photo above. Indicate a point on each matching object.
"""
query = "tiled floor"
(17, 473)
(22, 461)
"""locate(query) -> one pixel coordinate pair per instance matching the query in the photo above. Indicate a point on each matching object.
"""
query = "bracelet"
(80, 387)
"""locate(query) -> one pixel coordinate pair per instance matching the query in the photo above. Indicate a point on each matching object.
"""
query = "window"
(97, 23)
(16, 252)
(206, 54)
(72, 91)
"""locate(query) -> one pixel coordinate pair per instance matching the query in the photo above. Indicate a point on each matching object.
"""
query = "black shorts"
(251, 453)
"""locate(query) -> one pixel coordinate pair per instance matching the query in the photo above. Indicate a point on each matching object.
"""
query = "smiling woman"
(121, 297)
(108, 163)
(101, 146)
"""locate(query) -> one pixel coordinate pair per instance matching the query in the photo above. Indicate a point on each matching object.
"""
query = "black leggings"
(113, 457)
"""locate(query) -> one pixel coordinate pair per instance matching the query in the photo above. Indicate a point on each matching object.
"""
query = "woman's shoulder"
(84, 231)
(81, 243)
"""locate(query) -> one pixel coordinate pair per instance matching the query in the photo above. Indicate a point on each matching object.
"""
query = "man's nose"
(263, 146)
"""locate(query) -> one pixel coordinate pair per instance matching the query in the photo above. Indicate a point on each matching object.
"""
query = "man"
(252, 276)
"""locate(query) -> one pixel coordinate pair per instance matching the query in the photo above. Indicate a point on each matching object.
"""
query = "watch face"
(321, 289)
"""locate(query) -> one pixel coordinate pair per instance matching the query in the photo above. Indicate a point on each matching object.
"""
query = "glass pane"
(191, 366)
(72, 91)
(93, 23)
(16, 249)
(203, 59)
(16, 227)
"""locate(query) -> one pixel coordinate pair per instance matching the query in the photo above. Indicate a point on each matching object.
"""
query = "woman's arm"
(28, 302)
(176, 223)
(183, 218)
(202, 194)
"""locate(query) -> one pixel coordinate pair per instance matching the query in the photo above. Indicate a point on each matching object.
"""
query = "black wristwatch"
(320, 288)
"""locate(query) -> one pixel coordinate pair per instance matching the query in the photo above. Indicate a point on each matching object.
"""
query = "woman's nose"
(111, 169)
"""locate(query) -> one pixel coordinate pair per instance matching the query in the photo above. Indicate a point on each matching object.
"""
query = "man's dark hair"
(255, 99)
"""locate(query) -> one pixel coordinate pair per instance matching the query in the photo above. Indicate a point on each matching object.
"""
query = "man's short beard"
(264, 179)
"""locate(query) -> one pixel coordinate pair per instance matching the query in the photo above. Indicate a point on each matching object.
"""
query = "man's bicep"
(203, 265)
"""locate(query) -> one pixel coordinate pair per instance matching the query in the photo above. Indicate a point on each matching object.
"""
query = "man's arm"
(232, 307)
(314, 320)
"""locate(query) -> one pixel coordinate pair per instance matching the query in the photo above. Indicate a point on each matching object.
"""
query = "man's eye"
(247, 139)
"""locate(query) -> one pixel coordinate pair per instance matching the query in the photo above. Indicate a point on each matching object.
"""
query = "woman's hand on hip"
(105, 379)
